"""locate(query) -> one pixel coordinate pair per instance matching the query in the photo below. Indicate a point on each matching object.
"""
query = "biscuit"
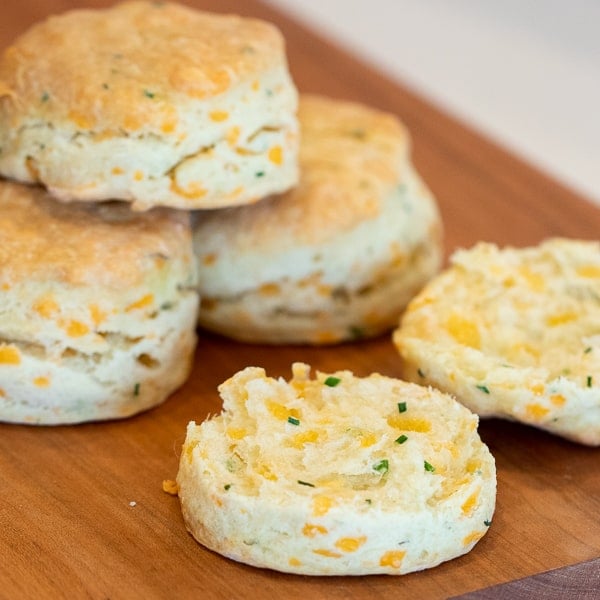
(97, 307)
(336, 475)
(149, 102)
(514, 333)
(336, 258)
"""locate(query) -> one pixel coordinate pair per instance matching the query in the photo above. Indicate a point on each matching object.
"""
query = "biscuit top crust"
(352, 157)
(83, 244)
(127, 67)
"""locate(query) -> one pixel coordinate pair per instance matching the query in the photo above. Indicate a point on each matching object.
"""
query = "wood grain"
(67, 528)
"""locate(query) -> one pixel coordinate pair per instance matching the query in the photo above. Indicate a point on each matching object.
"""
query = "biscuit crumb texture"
(514, 333)
(150, 102)
(336, 475)
(97, 308)
(338, 257)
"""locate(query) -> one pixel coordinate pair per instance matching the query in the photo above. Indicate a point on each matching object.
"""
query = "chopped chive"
(105, 86)
(259, 174)
(589, 381)
(383, 466)
(293, 421)
(368, 500)
(45, 97)
(483, 388)
(401, 407)
(136, 389)
(226, 486)
(587, 350)
(149, 94)
(305, 483)
(401, 439)
(357, 333)
(420, 372)
(487, 523)
(332, 381)
(429, 467)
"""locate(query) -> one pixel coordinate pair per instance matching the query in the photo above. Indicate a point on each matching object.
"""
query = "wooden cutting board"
(82, 511)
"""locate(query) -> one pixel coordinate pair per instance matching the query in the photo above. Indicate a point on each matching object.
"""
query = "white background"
(524, 72)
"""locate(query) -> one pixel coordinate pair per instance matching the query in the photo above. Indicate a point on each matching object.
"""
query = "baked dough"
(514, 333)
(150, 102)
(97, 307)
(336, 475)
(338, 257)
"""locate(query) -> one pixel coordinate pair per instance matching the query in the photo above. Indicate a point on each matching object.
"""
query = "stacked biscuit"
(161, 172)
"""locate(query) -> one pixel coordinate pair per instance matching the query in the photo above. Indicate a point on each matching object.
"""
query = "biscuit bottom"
(336, 475)
(42, 386)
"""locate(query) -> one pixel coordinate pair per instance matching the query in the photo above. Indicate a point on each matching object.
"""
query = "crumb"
(132, 503)
(170, 487)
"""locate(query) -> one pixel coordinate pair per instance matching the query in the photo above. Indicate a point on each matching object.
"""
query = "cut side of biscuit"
(150, 102)
(514, 333)
(338, 257)
(97, 308)
(336, 475)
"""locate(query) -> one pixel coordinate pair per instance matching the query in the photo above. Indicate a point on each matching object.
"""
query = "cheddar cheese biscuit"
(97, 308)
(514, 333)
(336, 475)
(149, 102)
(338, 257)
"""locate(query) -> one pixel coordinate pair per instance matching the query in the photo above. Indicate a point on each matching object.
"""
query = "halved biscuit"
(336, 258)
(336, 475)
(514, 333)
(149, 102)
(97, 308)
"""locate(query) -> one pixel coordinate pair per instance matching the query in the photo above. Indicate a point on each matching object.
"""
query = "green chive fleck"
(305, 483)
(368, 500)
(587, 350)
(45, 97)
(293, 421)
(136, 389)
(401, 439)
(105, 86)
(332, 381)
(259, 174)
(226, 486)
(589, 381)
(383, 466)
(483, 388)
(429, 467)
(487, 523)
(357, 333)
(149, 94)
(420, 372)
(401, 407)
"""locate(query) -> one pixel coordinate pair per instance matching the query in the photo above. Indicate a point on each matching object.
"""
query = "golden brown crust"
(107, 243)
(351, 158)
(109, 69)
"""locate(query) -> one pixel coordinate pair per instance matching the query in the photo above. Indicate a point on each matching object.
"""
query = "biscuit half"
(338, 257)
(514, 333)
(149, 102)
(97, 308)
(336, 475)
